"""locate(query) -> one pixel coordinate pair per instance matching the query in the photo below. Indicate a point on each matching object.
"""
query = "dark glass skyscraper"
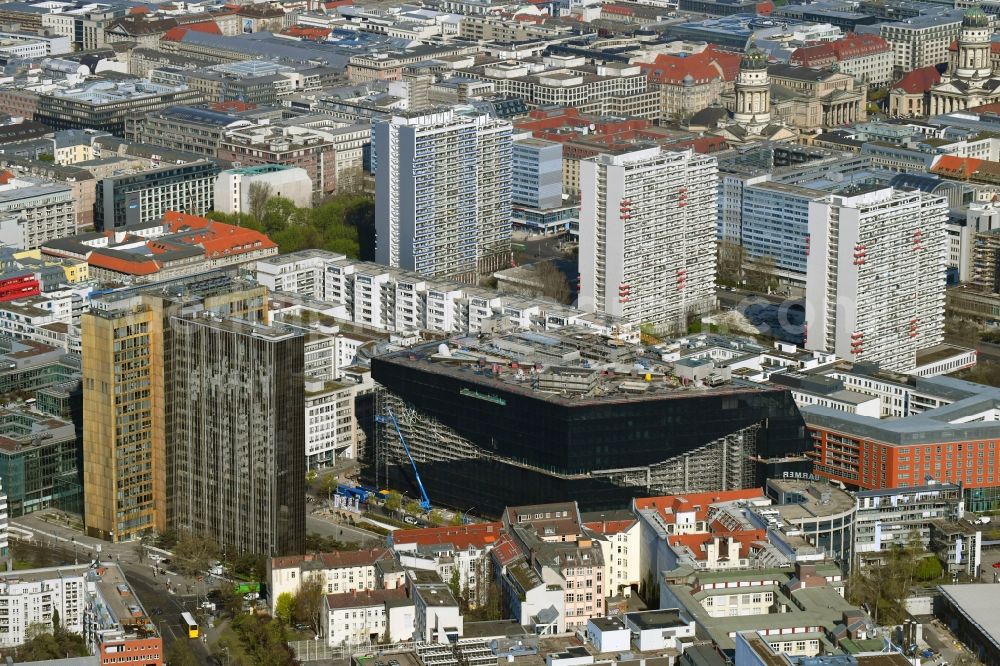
(237, 444)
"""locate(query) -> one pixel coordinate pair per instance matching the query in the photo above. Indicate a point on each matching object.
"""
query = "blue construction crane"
(425, 503)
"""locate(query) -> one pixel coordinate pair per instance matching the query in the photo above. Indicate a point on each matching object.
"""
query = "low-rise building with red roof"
(585, 135)
(866, 56)
(696, 530)
(689, 83)
(179, 244)
(341, 572)
(307, 32)
(445, 550)
(909, 97)
(968, 169)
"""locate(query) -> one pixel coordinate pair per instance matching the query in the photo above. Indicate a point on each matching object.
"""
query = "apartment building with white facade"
(876, 274)
(32, 213)
(443, 193)
(31, 598)
(340, 572)
(444, 550)
(367, 617)
(331, 429)
(436, 614)
(647, 230)
(620, 543)
(899, 517)
(921, 41)
(397, 301)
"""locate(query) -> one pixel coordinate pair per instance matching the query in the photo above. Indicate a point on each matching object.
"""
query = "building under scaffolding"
(533, 418)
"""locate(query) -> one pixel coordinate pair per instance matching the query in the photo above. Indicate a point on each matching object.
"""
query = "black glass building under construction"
(530, 418)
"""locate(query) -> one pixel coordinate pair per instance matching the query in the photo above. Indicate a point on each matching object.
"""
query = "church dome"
(975, 17)
(753, 58)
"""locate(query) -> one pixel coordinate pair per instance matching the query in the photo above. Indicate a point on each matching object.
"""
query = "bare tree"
(730, 259)
(309, 602)
(257, 197)
(553, 282)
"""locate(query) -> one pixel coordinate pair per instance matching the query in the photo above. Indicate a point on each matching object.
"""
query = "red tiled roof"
(669, 506)
(610, 526)
(856, 45)
(216, 238)
(461, 537)
(696, 542)
(232, 105)
(307, 32)
(147, 266)
(335, 560)
(711, 64)
(956, 167)
(365, 598)
(207, 27)
(175, 34)
(139, 10)
(817, 55)
(506, 550)
(765, 8)
(987, 108)
(919, 80)
(845, 48)
(618, 9)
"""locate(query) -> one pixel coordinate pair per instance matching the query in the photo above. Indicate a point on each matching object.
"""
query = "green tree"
(929, 569)
(455, 584)
(436, 517)
(181, 654)
(882, 588)
(311, 475)
(264, 641)
(327, 484)
(284, 607)
(231, 602)
(43, 644)
(412, 506)
(393, 501)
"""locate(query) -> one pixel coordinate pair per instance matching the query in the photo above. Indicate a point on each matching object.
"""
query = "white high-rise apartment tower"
(647, 235)
(875, 274)
(443, 193)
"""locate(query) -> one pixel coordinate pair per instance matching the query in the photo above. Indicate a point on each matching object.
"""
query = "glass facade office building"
(489, 444)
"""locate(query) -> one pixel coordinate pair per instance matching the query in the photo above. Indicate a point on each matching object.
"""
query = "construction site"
(532, 418)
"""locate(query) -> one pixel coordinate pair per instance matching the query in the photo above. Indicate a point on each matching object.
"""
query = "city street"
(165, 607)
(324, 525)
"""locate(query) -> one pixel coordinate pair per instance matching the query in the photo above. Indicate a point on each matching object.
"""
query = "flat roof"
(977, 602)
(656, 619)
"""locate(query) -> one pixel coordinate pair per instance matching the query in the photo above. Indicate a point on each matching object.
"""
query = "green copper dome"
(753, 58)
(975, 17)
